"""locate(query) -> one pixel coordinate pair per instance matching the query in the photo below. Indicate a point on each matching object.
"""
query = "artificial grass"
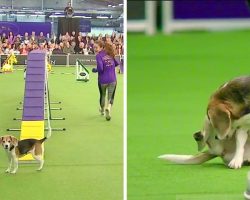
(170, 79)
(85, 161)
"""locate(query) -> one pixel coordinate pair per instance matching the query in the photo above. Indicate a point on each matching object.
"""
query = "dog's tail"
(42, 140)
(188, 159)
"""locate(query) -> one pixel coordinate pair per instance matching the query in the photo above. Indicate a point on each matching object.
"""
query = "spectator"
(41, 38)
(85, 50)
(26, 38)
(73, 36)
(1, 49)
(17, 42)
(7, 49)
(33, 38)
(57, 49)
(11, 38)
(23, 49)
(67, 49)
(3, 37)
(79, 48)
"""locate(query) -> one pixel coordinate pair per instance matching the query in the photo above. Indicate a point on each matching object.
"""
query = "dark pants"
(103, 89)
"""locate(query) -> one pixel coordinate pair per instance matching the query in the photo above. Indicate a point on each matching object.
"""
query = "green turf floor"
(83, 163)
(170, 79)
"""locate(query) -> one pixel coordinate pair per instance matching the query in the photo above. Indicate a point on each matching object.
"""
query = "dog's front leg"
(15, 165)
(10, 163)
(241, 138)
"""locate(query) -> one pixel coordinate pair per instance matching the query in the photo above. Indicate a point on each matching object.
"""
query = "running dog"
(17, 148)
(226, 126)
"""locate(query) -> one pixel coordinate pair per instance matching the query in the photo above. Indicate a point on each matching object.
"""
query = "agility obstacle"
(36, 100)
(32, 125)
(82, 73)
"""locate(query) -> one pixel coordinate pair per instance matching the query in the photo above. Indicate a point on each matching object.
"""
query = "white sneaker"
(107, 113)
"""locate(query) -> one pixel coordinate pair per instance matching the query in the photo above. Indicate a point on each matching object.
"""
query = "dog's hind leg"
(188, 159)
(39, 158)
(38, 155)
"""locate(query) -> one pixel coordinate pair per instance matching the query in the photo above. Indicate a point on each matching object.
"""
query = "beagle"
(229, 103)
(228, 120)
(225, 149)
(18, 148)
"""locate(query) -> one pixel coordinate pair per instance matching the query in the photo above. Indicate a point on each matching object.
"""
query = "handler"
(106, 63)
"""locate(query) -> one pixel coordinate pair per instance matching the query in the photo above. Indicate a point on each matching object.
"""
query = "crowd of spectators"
(70, 43)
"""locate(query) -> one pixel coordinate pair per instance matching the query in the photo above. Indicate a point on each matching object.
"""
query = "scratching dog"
(17, 148)
(226, 126)
(225, 149)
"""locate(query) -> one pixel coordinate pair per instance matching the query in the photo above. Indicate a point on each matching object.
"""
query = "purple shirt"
(106, 68)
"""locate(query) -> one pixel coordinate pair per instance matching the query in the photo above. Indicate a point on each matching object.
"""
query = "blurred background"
(97, 16)
(171, 16)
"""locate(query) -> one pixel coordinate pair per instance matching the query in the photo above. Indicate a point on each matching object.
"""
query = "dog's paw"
(7, 170)
(236, 163)
(13, 172)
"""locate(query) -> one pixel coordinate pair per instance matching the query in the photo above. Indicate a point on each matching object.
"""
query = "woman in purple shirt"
(106, 63)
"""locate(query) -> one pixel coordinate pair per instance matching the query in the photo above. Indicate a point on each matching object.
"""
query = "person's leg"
(111, 94)
(102, 91)
(111, 101)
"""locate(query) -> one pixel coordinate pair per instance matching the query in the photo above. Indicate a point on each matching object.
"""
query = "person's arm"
(116, 62)
(99, 63)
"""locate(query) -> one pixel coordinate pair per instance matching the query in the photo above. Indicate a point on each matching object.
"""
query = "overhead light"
(120, 4)
(55, 16)
(102, 17)
(57, 13)
(20, 15)
(85, 17)
(39, 12)
(113, 6)
(109, 5)
(20, 12)
(37, 15)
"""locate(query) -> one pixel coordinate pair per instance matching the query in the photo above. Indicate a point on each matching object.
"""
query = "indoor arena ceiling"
(112, 8)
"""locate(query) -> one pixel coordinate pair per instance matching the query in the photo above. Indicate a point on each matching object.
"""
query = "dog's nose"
(198, 136)
(6, 146)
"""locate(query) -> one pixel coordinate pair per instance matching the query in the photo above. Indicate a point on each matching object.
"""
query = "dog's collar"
(12, 147)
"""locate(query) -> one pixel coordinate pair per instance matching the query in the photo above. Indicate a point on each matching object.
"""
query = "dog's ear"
(1, 140)
(14, 140)
(221, 121)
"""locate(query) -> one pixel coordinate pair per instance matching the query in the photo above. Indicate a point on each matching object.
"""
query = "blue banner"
(22, 27)
(210, 9)
(85, 26)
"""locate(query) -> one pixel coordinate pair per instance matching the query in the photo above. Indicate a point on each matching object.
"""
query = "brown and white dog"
(225, 149)
(18, 148)
(226, 126)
